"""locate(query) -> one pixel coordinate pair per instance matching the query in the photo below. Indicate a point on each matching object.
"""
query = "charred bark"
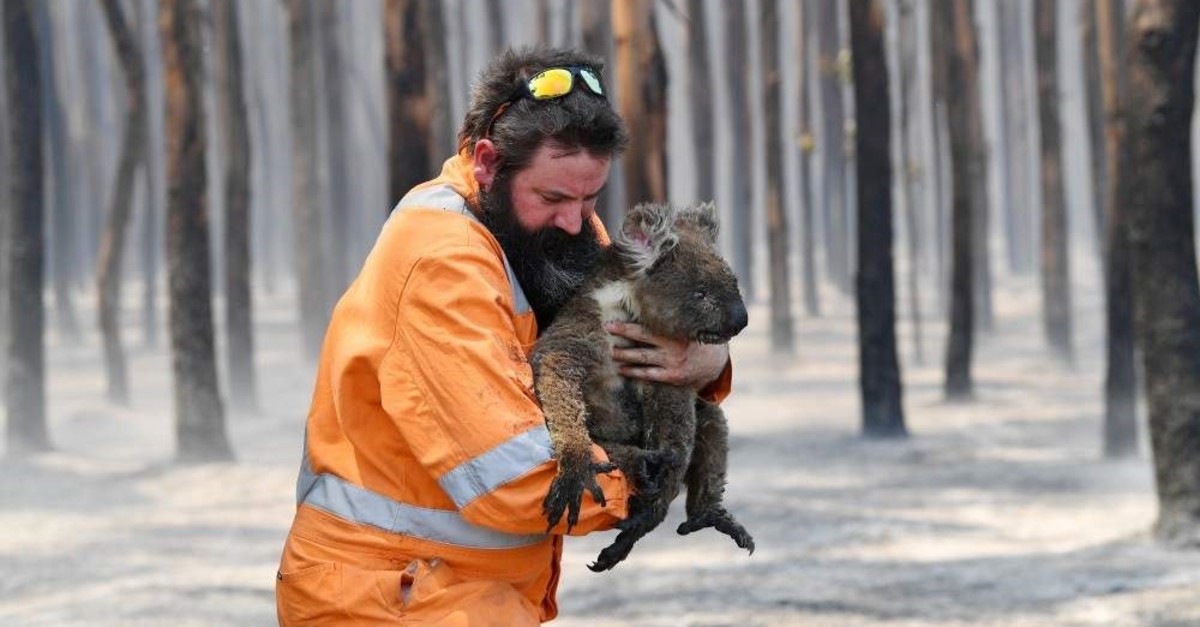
(25, 378)
(200, 417)
(782, 333)
(741, 226)
(1090, 43)
(1056, 286)
(239, 303)
(152, 172)
(112, 243)
(309, 252)
(700, 92)
(879, 369)
(1013, 110)
(337, 156)
(642, 100)
(833, 142)
(1161, 60)
(408, 98)
(950, 46)
(910, 175)
(1120, 380)
(808, 243)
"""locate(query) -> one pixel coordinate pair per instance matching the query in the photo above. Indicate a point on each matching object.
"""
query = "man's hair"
(580, 120)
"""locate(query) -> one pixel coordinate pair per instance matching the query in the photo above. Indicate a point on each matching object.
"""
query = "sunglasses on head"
(550, 84)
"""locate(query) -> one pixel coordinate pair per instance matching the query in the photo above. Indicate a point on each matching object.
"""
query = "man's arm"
(480, 432)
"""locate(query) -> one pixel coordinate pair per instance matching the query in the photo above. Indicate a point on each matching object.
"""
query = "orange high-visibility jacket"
(425, 448)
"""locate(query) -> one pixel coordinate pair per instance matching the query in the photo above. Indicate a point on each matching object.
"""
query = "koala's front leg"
(558, 381)
(706, 478)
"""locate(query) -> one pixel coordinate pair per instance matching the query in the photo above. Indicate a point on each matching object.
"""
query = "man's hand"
(675, 362)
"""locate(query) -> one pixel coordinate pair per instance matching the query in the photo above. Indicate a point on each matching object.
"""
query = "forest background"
(965, 228)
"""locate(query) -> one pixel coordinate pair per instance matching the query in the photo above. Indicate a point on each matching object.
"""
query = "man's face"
(541, 215)
(558, 189)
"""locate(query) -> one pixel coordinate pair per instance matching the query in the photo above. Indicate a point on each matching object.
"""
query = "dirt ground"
(996, 512)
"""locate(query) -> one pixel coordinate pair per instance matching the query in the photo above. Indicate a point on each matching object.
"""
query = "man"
(426, 456)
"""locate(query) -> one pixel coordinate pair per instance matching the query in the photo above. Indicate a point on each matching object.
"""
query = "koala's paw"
(653, 468)
(722, 521)
(613, 554)
(566, 491)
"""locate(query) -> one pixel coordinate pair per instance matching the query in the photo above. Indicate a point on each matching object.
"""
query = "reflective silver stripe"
(444, 197)
(357, 504)
(484, 473)
(434, 197)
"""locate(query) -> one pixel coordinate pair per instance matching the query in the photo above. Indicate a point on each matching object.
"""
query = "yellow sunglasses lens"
(553, 83)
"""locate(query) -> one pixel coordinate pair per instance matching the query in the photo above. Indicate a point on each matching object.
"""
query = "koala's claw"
(652, 468)
(566, 491)
(610, 557)
(722, 521)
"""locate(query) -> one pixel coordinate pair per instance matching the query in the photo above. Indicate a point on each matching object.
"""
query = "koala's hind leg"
(706, 478)
(674, 426)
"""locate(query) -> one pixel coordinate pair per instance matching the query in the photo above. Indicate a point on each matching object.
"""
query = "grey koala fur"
(663, 271)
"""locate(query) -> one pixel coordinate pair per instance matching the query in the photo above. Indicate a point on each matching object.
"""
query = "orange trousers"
(317, 585)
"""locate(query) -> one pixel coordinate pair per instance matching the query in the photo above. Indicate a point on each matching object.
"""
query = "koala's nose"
(737, 317)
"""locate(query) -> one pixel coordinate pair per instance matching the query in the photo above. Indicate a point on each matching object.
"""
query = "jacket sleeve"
(479, 430)
(720, 388)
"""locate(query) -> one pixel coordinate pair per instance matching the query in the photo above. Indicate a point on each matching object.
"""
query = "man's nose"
(570, 221)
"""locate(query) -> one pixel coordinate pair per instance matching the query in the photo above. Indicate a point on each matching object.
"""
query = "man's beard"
(549, 263)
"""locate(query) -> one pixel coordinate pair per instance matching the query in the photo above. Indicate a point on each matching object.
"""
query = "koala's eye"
(699, 294)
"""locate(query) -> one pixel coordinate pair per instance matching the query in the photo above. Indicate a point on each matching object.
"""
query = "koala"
(662, 271)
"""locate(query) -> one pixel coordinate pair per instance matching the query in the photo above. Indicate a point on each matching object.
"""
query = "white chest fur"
(616, 303)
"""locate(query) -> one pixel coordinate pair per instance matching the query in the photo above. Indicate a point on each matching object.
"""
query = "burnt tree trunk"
(408, 98)
(951, 46)
(542, 17)
(642, 100)
(742, 198)
(1013, 109)
(595, 26)
(337, 157)
(444, 131)
(700, 92)
(782, 334)
(1120, 381)
(152, 171)
(910, 175)
(1089, 42)
(25, 378)
(1161, 61)
(112, 243)
(833, 142)
(967, 46)
(239, 304)
(309, 252)
(879, 369)
(200, 418)
(65, 164)
(1056, 287)
(495, 17)
(808, 241)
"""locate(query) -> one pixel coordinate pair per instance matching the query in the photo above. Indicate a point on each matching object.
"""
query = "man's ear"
(487, 163)
(645, 235)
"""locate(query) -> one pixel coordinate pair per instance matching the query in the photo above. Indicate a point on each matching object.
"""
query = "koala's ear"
(703, 218)
(645, 235)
